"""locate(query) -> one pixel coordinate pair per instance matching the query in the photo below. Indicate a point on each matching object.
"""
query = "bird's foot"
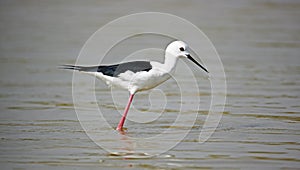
(121, 130)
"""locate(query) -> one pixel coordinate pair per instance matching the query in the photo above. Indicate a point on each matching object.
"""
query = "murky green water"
(258, 43)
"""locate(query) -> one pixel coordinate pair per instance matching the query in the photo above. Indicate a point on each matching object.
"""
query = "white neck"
(170, 62)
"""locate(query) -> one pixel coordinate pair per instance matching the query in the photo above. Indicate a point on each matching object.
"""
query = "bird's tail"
(79, 68)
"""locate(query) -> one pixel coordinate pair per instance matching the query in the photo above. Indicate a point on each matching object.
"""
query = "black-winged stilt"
(138, 76)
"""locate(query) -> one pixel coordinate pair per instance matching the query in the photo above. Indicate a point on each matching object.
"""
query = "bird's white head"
(179, 49)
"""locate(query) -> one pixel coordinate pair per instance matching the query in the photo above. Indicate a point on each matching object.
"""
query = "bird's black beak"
(196, 62)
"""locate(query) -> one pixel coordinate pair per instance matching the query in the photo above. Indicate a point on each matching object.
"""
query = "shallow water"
(258, 43)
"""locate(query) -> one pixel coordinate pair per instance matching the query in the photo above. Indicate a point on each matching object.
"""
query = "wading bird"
(138, 76)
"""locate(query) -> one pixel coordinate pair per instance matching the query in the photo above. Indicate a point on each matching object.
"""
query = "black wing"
(114, 70)
(134, 66)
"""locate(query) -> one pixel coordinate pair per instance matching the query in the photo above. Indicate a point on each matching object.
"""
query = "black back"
(134, 66)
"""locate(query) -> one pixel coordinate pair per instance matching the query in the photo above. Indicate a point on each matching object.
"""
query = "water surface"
(258, 43)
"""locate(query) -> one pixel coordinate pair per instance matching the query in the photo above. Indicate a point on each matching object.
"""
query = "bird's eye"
(181, 49)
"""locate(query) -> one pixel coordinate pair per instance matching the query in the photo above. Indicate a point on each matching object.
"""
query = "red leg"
(122, 120)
